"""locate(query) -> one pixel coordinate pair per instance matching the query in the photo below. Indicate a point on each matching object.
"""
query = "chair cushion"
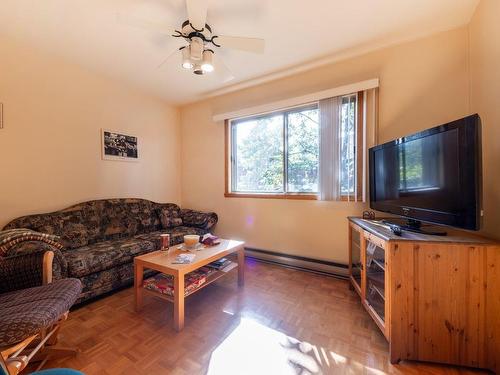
(58, 371)
(25, 312)
(105, 255)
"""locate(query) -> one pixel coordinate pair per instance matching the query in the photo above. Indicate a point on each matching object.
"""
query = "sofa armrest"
(23, 265)
(199, 219)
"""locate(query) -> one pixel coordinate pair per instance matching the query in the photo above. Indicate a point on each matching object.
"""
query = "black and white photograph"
(117, 146)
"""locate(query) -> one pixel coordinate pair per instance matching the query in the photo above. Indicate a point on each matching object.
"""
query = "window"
(277, 155)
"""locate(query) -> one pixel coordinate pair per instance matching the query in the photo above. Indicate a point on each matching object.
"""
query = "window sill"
(299, 196)
(272, 196)
(351, 198)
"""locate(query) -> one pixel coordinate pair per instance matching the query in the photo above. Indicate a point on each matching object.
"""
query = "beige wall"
(50, 145)
(423, 83)
(485, 99)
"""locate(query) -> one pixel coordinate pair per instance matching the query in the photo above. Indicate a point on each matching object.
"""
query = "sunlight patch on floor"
(253, 348)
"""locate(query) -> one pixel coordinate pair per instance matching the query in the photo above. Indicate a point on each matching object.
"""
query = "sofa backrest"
(97, 221)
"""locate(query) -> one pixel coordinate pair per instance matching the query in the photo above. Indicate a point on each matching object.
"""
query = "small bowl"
(191, 240)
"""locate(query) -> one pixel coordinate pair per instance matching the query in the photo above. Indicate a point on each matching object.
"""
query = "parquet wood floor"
(233, 331)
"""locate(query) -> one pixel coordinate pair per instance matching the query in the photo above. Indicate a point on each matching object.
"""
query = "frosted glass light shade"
(207, 65)
(186, 58)
(196, 48)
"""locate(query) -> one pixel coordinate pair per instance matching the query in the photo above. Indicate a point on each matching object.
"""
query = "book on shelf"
(220, 263)
(229, 267)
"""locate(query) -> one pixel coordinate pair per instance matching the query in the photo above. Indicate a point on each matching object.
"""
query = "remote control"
(395, 229)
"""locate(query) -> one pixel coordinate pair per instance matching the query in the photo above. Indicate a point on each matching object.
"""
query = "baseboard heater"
(323, 267)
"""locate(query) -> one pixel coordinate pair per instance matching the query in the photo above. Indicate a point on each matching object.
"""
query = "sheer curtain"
(329, 149)
(331, 144)
(370, 131)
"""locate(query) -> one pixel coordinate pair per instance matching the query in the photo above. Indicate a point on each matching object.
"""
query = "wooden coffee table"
(162, 261)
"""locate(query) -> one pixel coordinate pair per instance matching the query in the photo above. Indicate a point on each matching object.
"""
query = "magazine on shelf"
(164, 284)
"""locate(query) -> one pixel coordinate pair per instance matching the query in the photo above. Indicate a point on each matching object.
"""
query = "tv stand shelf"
(435, 298)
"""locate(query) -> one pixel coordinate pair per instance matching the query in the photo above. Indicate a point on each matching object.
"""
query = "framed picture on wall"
(119, 146)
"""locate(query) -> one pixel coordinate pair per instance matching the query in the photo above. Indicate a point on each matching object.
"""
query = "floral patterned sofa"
(102, 237)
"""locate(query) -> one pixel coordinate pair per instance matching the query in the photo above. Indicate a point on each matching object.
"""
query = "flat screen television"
(433, 176)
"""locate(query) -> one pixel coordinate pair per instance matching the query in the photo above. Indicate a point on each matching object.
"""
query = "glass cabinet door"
(375, 278)
(356, 264)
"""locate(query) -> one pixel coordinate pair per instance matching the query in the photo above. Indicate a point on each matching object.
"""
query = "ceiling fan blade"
(222, 69)
(254, 45)
(197, 13)
(141, 23)
(169, 57)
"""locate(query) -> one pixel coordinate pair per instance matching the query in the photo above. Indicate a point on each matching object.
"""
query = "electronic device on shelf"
(433, 176)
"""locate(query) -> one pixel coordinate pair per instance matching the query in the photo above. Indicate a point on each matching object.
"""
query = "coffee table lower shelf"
(210, 279)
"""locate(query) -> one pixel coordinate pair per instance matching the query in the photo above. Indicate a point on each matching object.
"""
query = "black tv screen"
(433, 176)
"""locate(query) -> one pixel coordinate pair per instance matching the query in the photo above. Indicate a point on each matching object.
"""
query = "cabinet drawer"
(374, 239)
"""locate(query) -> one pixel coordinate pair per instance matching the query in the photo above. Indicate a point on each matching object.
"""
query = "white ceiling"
(296, 32)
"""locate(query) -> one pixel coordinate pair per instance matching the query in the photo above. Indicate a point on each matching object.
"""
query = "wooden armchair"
(30, 317)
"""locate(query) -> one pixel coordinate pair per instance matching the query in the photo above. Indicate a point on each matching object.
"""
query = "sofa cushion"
(144, 213)
(117, 221)
(75, 235)
(25, 312)
(124, 218)
(193, 218)
(169, 218)
(105, 255)
(75, 227)
(92, 221)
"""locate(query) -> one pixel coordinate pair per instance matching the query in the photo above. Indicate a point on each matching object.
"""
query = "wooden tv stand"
(434, 298)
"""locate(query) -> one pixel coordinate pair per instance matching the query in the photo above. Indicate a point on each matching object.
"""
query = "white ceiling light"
(186, 58)
(207, 65)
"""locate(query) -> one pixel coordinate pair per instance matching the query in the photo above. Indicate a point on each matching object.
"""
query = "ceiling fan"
(198, 54)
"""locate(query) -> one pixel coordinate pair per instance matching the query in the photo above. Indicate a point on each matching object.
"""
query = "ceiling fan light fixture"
(196, 48)
(207, 65)
(198, 70)
(186, 58)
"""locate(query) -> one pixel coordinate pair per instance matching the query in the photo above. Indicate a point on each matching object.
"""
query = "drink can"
(165, 241)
